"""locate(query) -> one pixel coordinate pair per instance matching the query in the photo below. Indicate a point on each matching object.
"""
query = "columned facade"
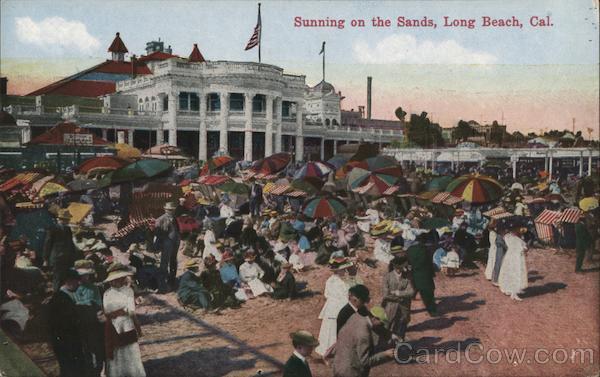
(202, 138)
(224, 103)
(299, 132)
(248, 97)
(278, 118)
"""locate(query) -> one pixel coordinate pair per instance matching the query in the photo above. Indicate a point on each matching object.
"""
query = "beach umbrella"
(102, 162)
(216, 163)
(384, 164)
(516, 186)
(127, 152)
(337, 161)
(307, 185)
(272, 164)
(323, 206)
(313, 169)
(587, 204)
(554, 198)
(439, 183)
(147, 168)
(51, 188)
(347, 168)
(232, 187)
(435, 223)
(83, 184)
(475, 188)
(379, 182)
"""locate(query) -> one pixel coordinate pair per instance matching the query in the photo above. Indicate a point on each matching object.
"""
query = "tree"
(422, 132)
(463, 131)
(400, 114)
(496, 134)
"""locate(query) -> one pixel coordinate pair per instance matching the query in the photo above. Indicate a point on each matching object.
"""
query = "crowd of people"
(85, 282)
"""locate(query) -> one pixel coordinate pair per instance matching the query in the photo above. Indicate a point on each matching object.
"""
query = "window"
(183, 101)
(166, 103)
(335, 122)
(194, 102)
(286, 107)
(213, 102)
(236, 102)
(259, 103)
(327, 122)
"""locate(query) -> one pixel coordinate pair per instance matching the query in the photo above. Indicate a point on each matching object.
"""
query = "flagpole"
(323, 60)
(259, 32)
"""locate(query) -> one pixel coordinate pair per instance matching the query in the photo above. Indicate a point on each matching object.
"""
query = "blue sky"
(538, 77)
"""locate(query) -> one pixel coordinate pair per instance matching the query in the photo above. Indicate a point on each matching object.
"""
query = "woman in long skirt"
(336, 294)
(513, 273)
(489, 268)
(500, 251)
(123, 357)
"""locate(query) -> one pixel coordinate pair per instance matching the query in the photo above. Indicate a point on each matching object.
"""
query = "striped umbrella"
(215, 163)
(439, 183)
(313, 169)
(337, 161)
(379, 182)
(103, 162)
(475, 188)
(272, 164)
(384, 164)
(323, 207)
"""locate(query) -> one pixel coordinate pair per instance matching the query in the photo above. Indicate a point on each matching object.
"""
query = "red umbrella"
(272, 164)
(215, 163)
(103, 162)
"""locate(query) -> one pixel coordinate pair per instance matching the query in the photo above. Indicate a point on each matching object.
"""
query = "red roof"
(56, 134)
(73, 86)
(117, 45)
(196, 56)
(156, 56)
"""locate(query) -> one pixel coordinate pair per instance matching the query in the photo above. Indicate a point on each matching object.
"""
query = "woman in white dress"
(489, 268)
(123, 356)
(513, 273)
(250, 275)
(210, 247)
(336, 295)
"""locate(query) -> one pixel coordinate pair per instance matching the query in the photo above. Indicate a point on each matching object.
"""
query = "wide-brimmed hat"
(117, 271)
(170, 206)
(192, 263)
(304, 338)
(379, 313)
(84, 267)
(340, 263)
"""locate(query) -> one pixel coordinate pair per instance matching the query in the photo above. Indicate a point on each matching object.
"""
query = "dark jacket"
(286, 288)
(295, 367)
(59, 246)
(64, 330)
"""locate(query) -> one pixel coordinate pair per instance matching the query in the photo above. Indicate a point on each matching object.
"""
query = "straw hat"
(117, 271)
(84, 267)
(304, 338)
(379, 313)
(170, 206)
(192, 263)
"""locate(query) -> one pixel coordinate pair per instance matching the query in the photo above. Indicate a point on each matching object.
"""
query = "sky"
(533, 78)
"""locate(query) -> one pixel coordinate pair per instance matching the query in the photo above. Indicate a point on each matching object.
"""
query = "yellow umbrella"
(126, 151)
(587, 204)
(51, 188)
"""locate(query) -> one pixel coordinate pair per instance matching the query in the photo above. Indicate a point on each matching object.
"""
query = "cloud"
(406, 49)
(56, 33)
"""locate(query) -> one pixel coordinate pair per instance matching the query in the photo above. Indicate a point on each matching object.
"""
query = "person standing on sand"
(513, 273)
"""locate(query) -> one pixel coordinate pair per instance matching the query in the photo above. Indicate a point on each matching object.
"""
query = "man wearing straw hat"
(304, 343)
(167, 235)
(354, 349)
(59, 250)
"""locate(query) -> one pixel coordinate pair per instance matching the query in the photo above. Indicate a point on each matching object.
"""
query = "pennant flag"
(322, 48)
(255, 38)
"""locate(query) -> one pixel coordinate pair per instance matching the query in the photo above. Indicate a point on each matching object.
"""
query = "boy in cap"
(304, 343)
(355, 346)
(358, 297)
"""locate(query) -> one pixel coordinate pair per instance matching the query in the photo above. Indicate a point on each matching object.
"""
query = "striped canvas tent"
(544, 223)
(446, 198)
(498, 213)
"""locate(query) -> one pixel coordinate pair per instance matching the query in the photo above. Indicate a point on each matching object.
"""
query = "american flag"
(255, 38)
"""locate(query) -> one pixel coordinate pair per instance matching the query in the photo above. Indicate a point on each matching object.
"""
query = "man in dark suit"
(59, 250)
(297, 366)
(358, 297)
(256, 198)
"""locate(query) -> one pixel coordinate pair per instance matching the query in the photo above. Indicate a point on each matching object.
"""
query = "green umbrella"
(141, 169)
(439, 183)
(306, 185)
(234, 188)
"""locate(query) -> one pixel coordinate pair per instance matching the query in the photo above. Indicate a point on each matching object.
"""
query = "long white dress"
(513, 273)
(209, 246)
(127, 360)
(489, 268)
(336, 294)
(251, 273)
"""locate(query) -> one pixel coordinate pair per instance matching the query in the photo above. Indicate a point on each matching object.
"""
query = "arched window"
(335, 122)
(327, 122)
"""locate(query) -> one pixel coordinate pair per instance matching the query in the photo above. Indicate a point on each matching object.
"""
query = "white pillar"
(224, 99)
(105, 134)
(546, 162)
(432, 162)
(173, 99)
(130, 137)
(334, 147)
(278, 114)
(269, 127)
(581, 165)
(160, 136)
(248, 129)
(514, 167)
(322, 148)
(550, 168)
(299, 132)
(202, 150)
(590, 163)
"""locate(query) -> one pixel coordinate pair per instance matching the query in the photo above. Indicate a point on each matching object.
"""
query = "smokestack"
(133, 66)
(369, 81)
